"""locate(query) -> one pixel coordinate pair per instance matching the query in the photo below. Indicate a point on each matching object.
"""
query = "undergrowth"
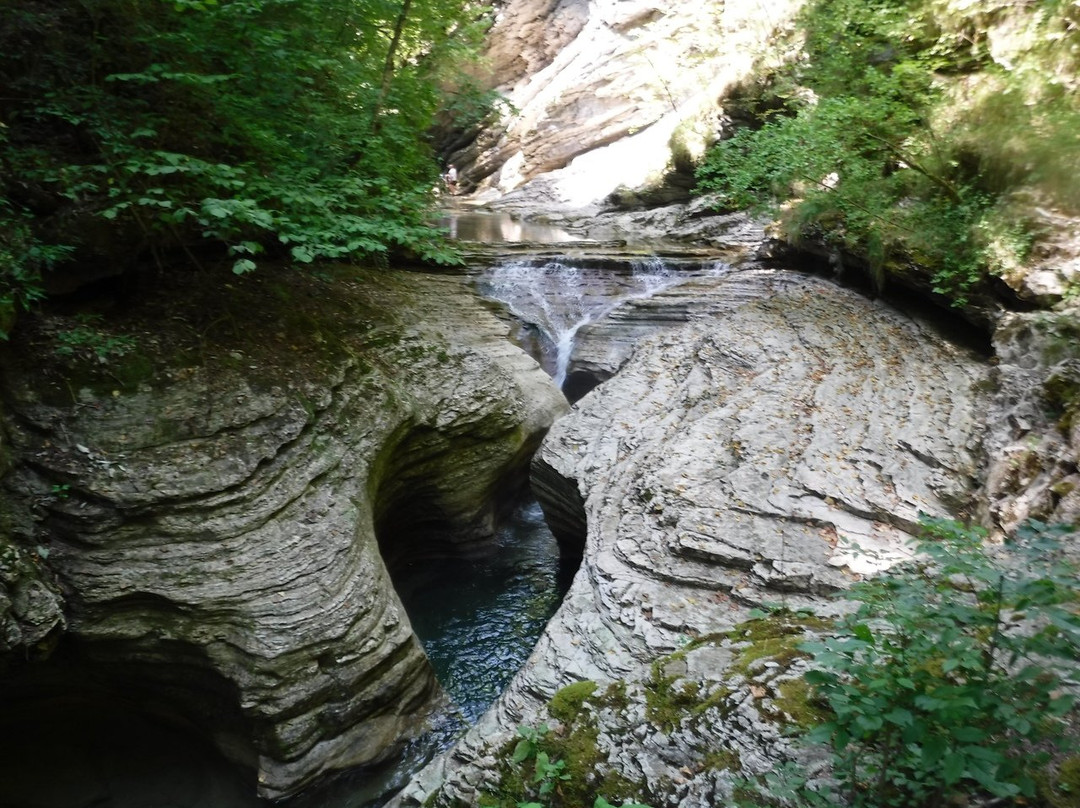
(905, 134)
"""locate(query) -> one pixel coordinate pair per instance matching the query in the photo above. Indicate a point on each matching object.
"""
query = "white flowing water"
(555, 299)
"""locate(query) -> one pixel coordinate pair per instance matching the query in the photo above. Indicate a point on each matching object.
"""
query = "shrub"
(909, 136)
(949, 674)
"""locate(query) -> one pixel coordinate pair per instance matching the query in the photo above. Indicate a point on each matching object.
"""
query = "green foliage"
(950, 671)
(547, 774)
(87, 340)
(547, 770)
(289, 127)
(23, 258)
(529, 744)
(871, 162)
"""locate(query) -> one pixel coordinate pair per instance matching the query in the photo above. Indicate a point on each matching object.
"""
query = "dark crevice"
(108, 718)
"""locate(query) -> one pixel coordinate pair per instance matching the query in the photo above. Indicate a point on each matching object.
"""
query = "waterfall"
(556, 298)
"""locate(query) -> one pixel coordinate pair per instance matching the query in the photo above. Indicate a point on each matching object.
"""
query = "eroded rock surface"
(734, 460)
(645, 75)
(1033, 441)
(31, 604)
(217, 521)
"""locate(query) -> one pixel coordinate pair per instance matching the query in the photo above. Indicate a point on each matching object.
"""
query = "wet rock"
(236, 515)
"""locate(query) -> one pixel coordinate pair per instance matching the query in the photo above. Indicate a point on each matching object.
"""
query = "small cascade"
(554, 299)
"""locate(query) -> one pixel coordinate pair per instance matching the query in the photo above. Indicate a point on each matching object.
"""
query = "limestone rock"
(1052, 270)
(780, 442)
(581, 76)
(229, 521)
(1033, 436)
(31, 605)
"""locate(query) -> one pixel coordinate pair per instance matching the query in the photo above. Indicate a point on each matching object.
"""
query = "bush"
(908, 137)
(948, 679)
(135, 130)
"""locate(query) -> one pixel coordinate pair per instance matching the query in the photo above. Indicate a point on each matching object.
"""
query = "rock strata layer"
(781, 441)
(220, 517)
(644, 75)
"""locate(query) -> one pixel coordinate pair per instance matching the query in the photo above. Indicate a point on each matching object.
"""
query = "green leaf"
(900, 717)
(302, 253)
(953, 767)
(522, 751)
(863, 632)
(822, 678)
(969, 734)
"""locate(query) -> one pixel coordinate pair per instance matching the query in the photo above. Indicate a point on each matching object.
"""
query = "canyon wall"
(219, 527)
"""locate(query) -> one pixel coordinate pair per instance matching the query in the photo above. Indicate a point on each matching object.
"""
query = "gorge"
(246, 517)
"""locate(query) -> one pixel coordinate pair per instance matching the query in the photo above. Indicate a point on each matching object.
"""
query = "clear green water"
(479, 619)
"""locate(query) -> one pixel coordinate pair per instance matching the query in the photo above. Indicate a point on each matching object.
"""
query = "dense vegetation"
(139, 130)
(914, 131)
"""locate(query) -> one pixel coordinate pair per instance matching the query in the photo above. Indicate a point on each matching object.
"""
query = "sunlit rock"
(778, 442)
(608, 94)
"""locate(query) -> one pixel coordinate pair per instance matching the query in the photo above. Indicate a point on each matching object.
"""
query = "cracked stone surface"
(736, 459)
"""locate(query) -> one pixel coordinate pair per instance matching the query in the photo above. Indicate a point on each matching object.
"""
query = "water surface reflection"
(500, 228)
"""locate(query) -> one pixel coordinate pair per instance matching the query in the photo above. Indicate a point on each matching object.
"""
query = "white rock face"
(735, 460)
(632, 73)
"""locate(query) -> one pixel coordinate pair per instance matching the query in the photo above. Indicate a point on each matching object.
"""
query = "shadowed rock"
(224, 513)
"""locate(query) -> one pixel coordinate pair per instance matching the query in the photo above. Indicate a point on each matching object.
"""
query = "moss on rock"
(1063, 789)
(776, 637)
(566, 704)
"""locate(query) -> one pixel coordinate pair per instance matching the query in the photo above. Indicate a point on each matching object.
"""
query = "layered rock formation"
(219, 524)
(782, 440)
(645, 75)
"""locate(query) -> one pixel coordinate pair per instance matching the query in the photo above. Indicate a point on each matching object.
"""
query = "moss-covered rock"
(1062, 788)
(567, 703)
